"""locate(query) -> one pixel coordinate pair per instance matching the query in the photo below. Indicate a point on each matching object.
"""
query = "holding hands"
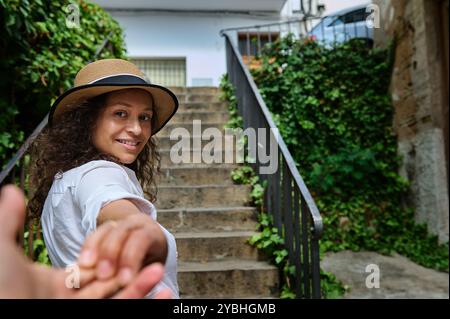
(130, 250)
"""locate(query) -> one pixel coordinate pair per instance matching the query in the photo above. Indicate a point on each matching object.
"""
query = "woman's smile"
(129, 144)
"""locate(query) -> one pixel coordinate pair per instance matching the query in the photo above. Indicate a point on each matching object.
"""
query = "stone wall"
(420, 96)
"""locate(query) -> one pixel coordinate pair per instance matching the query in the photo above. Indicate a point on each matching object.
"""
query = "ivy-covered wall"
(334, 111)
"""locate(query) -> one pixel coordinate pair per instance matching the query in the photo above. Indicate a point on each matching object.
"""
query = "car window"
(351, 17)
(323, 23)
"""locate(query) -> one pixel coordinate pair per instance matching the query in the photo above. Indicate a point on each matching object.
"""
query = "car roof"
(348, 9)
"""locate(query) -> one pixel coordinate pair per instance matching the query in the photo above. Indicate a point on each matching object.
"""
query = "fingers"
(121, 246)
(111, 247)
(164, 294)
(12, 211)
(144, 282)
(89, 251)
(87, 275)
(99, 289)
(135, 250)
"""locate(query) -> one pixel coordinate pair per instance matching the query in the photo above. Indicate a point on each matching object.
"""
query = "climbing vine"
(268, 238)
(333, 110)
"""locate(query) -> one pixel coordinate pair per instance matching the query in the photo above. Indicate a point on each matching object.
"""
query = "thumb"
(12, 211)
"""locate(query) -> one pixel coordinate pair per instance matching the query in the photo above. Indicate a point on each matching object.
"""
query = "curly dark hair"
(68, 144)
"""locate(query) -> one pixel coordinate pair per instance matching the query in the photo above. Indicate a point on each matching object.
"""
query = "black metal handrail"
(19, 163)
(286, 197)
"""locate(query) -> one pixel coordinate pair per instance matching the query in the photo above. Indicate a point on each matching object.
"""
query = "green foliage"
(227, 94)
(271, 243)
(333, 110)
(245, 175)
(40, 57)
(39, 249)
(331, 287)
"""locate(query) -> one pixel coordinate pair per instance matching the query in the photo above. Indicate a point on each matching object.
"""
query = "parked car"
(344, 25)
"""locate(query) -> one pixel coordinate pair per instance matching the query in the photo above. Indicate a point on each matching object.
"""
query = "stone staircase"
(209, 215)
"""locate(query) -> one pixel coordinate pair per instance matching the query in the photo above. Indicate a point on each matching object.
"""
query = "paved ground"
(398, 276)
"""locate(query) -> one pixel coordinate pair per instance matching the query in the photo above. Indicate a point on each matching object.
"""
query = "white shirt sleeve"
(100, 184)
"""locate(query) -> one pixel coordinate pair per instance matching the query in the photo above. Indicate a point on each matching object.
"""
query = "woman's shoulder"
(98, 168)
(94, 165)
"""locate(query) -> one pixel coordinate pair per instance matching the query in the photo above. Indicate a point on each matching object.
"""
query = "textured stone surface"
(216, 246)
(196, 174)
(199, 219)
(204, 116)
(203, 196)
(420, 98)
(399, 277)
(232, 278)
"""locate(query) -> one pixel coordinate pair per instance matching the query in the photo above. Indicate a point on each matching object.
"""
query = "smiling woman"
(89, 165)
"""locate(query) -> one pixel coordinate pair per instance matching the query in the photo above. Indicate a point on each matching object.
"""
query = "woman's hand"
(123, 246)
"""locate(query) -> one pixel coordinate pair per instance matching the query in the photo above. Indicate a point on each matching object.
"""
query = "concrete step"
(209, 219)
(237, 278)
(195, 97)
(196, 175)
(203, 196)
(216, 246)
(194, 90)
(204, 116)
(222, 141)
(203, 106)
(198, 157)
(165, 131)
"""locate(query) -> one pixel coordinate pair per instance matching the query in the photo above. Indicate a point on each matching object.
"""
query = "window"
(163, 71)
(351, 17)
(250, 43)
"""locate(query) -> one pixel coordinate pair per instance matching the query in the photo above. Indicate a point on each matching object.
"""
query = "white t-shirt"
(74, 202)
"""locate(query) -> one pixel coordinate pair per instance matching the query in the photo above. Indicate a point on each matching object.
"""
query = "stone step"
(196, 141)
(237, 278)
(196, 175)
(216, 246)
(198, 157)
(203, 106)
(194, 90)
(203, 196)
(165, 131)
(204, 116)
(209, 219)
(194, 97)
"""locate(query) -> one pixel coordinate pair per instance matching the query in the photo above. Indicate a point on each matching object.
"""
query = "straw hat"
(110, 75)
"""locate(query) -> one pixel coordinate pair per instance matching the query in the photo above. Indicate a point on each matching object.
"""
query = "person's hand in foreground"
(20, 278)
(125, 241)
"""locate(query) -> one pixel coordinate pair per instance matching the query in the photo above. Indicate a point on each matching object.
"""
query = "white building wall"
(331, 6)
(195, 37)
